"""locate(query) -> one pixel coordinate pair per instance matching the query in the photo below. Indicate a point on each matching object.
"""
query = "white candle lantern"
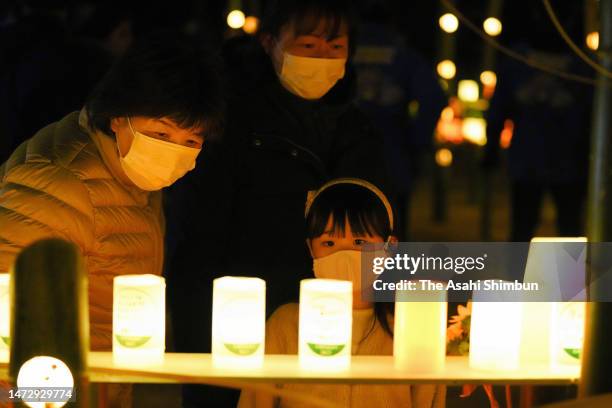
(326, 321)
(238, 322)
(139, 319)
(46, 373)
(5, 316)
(495, 330)
(419, 335)
(551, 324)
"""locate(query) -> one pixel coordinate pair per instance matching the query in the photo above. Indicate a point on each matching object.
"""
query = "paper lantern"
(47, 374)
(552, 264)
(468, 90)
(5, 313)
(495, 330)
(239, 322)
(567, 333)
(419, 339)
(326, 321)
(139, 320)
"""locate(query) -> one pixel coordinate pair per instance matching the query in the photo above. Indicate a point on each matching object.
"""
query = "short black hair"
(162, 76)
(364, 210)
(306, 14)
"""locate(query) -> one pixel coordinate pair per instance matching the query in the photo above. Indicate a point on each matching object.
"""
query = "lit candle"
(419, 335)
(238, 322)
(5, 313)
(495, 330)
(45, 374)
(139, 316)
(326, 321)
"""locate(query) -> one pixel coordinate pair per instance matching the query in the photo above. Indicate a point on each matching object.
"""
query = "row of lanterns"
(502, 333)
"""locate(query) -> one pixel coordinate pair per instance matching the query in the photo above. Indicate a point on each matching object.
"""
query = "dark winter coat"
(241, 212)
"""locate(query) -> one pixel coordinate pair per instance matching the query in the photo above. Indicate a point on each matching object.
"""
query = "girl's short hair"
(161, 76)
(365, 210)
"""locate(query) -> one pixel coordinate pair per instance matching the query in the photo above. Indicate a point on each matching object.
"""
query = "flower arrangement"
(458, 332)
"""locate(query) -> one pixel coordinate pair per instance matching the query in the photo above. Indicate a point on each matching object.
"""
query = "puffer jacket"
(67, 182)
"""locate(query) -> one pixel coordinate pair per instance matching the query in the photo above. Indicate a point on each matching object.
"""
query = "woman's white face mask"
(310, 78)
(152, 164)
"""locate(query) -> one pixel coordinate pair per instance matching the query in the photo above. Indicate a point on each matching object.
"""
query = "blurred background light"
(446, 69)
(236, 19)
(449, 23)
(492, 26)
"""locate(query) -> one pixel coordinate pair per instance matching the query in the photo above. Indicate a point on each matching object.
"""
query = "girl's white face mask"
(341, 265)
(152, 164)
(310, 78)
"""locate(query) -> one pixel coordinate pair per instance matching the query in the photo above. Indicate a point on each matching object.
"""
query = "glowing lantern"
(558, 265)
(43, 373)
(5, 314)
(446, 69)
(251, 25)
(419, 339)
(475, 130)
(449, 23)
(139, 319)
(492, 26)
(236, 19)
(444, 158)
(239, 321)
(495, 330)
(468, 90)
(592, 40)
(488, 78)
(326, 320)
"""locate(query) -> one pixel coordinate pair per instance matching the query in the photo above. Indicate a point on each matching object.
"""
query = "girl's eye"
(328, 243)
(308, 45)
(338, 46)
(360, 242)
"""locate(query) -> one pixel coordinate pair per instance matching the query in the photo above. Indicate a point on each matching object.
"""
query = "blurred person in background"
(291, 126)
(399, 90)
(549, 148)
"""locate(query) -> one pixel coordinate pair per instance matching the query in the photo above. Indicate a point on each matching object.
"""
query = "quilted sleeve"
(42, 200)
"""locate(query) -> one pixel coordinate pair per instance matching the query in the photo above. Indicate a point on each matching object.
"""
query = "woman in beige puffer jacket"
(94, 177)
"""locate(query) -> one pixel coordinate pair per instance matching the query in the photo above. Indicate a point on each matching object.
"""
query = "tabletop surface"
(199, 368)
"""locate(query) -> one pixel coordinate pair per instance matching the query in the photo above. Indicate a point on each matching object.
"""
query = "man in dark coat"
(243, 214)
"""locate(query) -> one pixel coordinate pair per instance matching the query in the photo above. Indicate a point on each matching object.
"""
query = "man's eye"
(328, 243)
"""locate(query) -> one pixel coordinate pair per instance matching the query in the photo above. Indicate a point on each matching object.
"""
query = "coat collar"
(109, 152)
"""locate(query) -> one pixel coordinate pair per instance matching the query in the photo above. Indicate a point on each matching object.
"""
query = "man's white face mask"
(152, 164)
(310, 78)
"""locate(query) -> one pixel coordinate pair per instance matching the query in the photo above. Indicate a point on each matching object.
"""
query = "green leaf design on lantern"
(326, 350)
(242, 349)
(573, 352)
(6, 340)
(133, 341)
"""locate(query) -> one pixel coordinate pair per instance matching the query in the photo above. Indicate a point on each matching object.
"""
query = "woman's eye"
(338, 46)
(308, 46)
(328, 243)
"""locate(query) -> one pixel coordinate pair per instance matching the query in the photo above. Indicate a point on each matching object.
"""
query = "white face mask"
(310, 78)
(341, 265)
(152, 164)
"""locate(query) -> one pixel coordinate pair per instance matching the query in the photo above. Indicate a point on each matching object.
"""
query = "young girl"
(342, 217)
